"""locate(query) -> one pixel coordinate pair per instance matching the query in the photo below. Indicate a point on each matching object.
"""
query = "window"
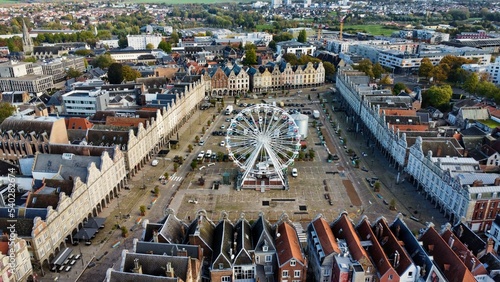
(326, 272)
(285, 273)
(296, 273)
(225, 279)
(293, 262)
(265, 248)
(269, 259)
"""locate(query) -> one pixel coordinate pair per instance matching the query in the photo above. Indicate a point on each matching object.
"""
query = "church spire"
(27, 41)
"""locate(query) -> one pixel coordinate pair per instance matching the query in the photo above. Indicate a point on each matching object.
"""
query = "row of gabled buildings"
(433, 155)
(72, 168)
(203, 250)
(234, 80)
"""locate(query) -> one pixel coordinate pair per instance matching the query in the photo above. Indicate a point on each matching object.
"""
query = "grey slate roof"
(412, 246)
(203, 228)
(262, 230)
(166, 249)
(76, 166)
(223, 241)
(152, 264)
(116, 276)
(469, 238)
(174, 230)
(243, 242)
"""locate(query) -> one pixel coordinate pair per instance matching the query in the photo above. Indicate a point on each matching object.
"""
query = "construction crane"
(342, 25)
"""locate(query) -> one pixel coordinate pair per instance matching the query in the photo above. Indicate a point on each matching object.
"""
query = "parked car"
(154, 162)
(294, 172)
(202, 142)
(68, 268)
(222, 143)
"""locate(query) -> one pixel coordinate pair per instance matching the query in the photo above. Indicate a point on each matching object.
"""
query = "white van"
(208, 154)
(200, 157)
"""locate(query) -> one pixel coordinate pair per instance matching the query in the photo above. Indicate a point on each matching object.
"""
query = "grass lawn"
(6, 2)
(373, 29)
(261, 27)
(490, 123)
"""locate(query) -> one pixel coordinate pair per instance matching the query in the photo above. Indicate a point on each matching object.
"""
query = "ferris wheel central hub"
(263, 138)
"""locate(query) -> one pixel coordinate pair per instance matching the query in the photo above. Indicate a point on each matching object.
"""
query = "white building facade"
(139, 42)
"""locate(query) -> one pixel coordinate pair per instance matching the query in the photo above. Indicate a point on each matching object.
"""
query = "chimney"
(490, 246)
(451, 241)
(169, 271)
(439, 151)
(396, 259)
(497, 181)
(155, 236)
(182, 253)
(446, 267)
(137, 266)
(477, 183)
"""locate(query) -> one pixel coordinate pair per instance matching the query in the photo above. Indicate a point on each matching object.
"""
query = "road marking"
(176, 178)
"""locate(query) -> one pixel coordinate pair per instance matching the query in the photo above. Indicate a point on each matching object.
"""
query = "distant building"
(139, 42)
(85, 102)
(27, 41)
(276, 4)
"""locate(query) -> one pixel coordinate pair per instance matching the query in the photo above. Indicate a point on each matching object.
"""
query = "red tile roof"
(392, 245)
(379, 259)
(325, 236)
(468, 258)
(448, 262)
(397, 112)
(4, 248)
(125, 121)
(78, 123)
(343, 229)
(287, 244)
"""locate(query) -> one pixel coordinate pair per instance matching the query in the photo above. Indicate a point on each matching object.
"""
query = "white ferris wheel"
(263, 141)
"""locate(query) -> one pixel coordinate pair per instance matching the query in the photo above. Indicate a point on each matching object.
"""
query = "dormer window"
(265, 248)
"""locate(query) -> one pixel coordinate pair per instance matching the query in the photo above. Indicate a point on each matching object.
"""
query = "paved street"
(305, 199)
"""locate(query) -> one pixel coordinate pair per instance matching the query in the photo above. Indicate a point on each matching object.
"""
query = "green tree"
(103, 61)
(376, 187)
(174, 37)
(290, 58)
(150, 46)
(165, 46)
(115, 73)
(302, 36)
(142, 209)
(272, 45)
(377, 70)
(122, 42)
(488, 90)
(194, 164)
(30, 59)
(83, 52)
(426, 67)
(470, 84)
(73, 73)
(250, 57)
(6, 110)
(329, 69)
(130, 74)
(439, 96)
(398, 87)
(365, 66)
(386, 80)
(440, 73)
